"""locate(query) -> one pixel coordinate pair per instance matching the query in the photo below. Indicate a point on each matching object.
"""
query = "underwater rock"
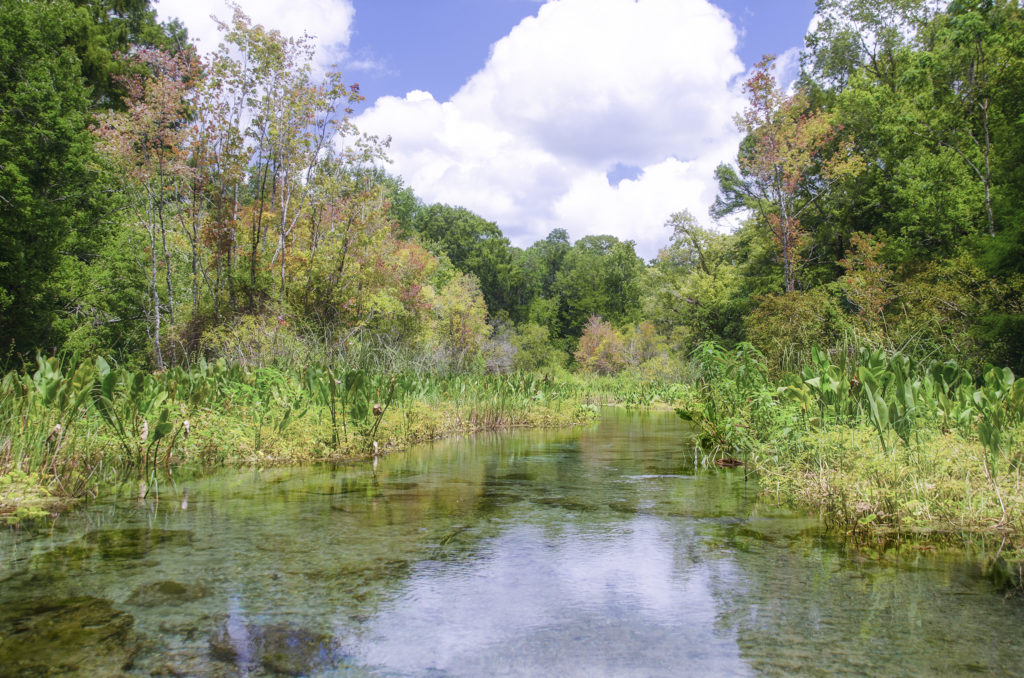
(167, 593)
(134, 543)
(276, 648)
(66, 636)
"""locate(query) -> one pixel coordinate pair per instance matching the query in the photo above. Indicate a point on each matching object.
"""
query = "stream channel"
(597, 551)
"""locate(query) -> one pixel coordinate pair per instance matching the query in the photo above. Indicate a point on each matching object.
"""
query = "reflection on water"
(597, 552)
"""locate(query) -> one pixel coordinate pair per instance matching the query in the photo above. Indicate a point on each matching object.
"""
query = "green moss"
(25, 496)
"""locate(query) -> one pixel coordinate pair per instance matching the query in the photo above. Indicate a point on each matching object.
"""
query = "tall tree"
(49, 187)
(781, 170)
(600, 275)
(147, 143)
(475, 245)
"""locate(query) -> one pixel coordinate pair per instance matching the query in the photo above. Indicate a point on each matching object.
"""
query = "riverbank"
(235, 438)
(881, 446)
(939, 484)
(74, 430)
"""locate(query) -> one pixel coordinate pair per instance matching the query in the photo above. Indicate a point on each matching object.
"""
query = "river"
(597, 551)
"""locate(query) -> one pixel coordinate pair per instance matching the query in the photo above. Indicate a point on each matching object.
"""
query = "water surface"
(591, 552)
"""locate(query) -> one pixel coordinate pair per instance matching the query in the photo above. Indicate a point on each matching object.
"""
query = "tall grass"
(80, 424)
(876, 438)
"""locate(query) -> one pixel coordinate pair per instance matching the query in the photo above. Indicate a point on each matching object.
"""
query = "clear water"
(592, 552)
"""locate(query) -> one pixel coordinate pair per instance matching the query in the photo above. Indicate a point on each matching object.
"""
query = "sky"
(597, 116)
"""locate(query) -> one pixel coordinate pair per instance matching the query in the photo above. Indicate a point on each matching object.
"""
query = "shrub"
(535, 350)
(256, 341)
(784, 327)
(601, 348)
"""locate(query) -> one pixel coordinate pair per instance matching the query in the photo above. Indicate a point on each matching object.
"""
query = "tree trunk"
(988, 171)
(151, 227)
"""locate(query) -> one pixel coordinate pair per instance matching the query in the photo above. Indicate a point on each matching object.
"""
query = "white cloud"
(567, 95)
(787, 69)
(330, 21)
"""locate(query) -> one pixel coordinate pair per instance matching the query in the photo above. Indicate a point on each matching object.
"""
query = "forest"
(194, 248)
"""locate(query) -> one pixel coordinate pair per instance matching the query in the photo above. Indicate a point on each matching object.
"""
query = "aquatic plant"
(938, 433)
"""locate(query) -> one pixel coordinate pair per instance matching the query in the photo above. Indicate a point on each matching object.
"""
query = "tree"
(461, 319)
(780, 161)
(868, 281)
(601, 348)
(49, 186)
(475, 245)
(851, 35)
(693, 289)
(600, 275)
(146, 142)
(108, 29)
(543, 260)
(977, 43)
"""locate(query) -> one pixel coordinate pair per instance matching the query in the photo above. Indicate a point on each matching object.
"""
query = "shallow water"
(592, 552)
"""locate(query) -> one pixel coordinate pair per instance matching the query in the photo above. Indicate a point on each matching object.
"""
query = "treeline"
(157, 206)
(884, 193)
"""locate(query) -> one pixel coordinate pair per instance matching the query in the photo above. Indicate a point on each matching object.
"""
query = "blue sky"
(597, 116)
(436, 45)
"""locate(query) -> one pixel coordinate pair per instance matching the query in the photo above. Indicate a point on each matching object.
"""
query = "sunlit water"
(593, 552)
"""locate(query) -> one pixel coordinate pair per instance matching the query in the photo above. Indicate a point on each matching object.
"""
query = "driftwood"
(728, 462)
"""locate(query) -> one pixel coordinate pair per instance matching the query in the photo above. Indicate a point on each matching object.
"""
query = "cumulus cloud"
(582, 88)
(330, 21)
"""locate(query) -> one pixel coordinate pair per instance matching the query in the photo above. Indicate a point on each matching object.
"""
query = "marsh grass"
(78, 428)
(881, 443)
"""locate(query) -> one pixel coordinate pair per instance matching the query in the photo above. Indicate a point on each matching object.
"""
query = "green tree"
(475, 245)
(50, 191)
(694, 289)
(600, 275)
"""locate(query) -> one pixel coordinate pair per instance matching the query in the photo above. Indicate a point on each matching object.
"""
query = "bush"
(643, 343)
(663, 369)
(256, 341)
(937, 313)
(601, 348)
(534, 350)
(784, 327)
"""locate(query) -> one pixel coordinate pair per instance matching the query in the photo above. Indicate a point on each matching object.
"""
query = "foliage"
(461, 320)
(255, 341)
(599, 276)
(868, 282)
(601, 348)
(474, 245)
(782, 148)
(808, 429)
(50, 191)
(784, 327)
(729, 402)
(534, 350)
(695, 286)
